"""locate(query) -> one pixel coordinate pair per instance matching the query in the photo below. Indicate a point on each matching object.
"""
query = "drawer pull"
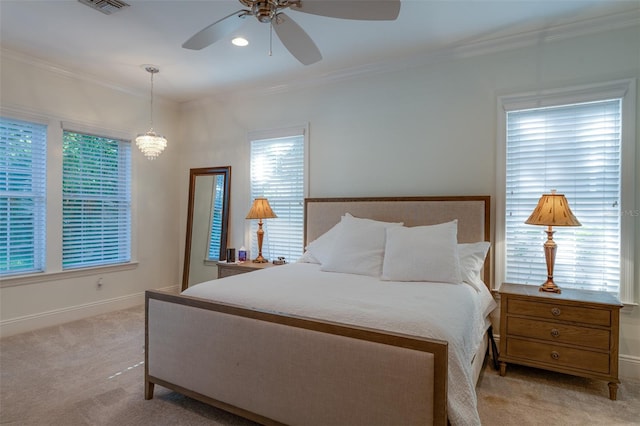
(555, 332)
(555, 355)
(555, 311)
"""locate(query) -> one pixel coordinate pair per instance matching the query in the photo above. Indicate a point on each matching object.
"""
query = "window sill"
(61, 275)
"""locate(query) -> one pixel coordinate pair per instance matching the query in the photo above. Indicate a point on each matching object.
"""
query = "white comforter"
(451, 312)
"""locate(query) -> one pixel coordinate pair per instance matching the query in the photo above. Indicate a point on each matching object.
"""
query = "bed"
(324, 340)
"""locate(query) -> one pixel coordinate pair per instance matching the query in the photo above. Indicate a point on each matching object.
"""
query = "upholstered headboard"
(472, 212)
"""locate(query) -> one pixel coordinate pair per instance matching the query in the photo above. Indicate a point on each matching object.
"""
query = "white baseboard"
(629, 367)
(32, 322)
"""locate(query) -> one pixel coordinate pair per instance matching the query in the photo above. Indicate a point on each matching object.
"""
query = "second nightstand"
(575, 332)
(227, 269)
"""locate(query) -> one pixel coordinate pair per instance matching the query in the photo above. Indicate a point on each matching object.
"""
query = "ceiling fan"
(294, 38)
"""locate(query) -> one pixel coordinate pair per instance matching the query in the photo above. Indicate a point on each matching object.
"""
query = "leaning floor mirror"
(207, 223)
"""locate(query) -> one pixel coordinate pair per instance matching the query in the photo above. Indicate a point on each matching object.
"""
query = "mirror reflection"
(207, 223)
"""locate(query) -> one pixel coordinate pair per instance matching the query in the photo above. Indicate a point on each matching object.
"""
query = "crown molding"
(478, 47)
(614, 21)
(67, 72)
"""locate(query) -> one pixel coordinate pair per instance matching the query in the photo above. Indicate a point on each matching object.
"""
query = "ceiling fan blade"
(216, 31)
(365, 10)
(296, 40)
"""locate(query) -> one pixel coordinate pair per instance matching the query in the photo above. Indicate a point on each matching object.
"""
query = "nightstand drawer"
(556, 355)
(560, 312)
(559, 333)
(227, 272)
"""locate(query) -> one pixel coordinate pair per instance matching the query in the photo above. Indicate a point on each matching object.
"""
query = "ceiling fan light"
(240, 41)
(264, 11)
(151, 144)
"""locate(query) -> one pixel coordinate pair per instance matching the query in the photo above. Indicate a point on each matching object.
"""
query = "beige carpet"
(90, 372)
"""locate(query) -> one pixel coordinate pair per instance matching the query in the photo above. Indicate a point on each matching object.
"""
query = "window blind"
(22, 196)
(215, 231)
(575, 149)
(96, 228)
(277, 173)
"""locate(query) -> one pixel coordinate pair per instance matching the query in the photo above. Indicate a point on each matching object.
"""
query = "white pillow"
(359, 247)
(320, 248)
(308, 258)
(422, 253)
(472, 258)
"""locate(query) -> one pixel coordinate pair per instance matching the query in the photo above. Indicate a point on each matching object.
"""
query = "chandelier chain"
(152, 71)
(151, 102)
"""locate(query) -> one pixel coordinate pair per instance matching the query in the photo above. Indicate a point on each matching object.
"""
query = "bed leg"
(494, 348)
(148, 389)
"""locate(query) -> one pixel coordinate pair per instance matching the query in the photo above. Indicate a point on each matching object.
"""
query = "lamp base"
(260, 259)
(550, 287)
(550, 257)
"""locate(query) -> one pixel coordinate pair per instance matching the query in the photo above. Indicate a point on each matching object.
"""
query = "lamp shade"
(261, 210)
(553, 210)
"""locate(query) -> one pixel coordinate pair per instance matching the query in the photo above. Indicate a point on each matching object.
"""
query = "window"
(573, 143)
(22, 196)
(215, 230)
(96, 209)
(278, 172)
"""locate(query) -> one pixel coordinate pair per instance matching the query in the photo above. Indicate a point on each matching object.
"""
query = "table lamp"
(552, 210)
(260, 210)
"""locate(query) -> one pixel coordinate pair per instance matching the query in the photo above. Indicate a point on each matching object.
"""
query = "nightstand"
(575, 332)
(227, 269)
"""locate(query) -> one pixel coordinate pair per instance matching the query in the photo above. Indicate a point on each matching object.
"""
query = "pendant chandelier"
(151, 144)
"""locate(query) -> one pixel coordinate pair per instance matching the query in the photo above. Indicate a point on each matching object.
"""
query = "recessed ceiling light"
(240, 41)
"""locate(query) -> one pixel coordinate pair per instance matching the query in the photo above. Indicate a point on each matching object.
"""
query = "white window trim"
(625, 89)
(53, 255)
(124, 135)
(40, 277)
(80, 261)
(17, 114)
(88, 129)
(280, 132)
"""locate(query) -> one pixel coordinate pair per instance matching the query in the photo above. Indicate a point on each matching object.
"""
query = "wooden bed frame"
(275, 368)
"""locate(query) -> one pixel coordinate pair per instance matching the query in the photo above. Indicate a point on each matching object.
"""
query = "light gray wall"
(424, 130)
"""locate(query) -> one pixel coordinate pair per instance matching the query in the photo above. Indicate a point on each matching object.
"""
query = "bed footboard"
(275, 368)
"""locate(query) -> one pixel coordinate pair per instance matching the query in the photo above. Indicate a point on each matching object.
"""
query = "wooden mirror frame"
(193, 174)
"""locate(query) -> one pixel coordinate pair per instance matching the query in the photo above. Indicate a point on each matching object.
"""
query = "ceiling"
(69, 35)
